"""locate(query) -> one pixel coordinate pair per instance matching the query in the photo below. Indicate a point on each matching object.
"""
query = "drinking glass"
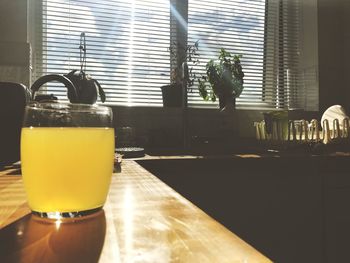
(67, 157)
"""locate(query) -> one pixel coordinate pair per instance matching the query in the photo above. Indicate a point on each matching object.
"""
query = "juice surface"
(66, 169)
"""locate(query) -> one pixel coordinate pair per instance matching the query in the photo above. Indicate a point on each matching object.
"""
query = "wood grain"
(143, 220)
(13, 204)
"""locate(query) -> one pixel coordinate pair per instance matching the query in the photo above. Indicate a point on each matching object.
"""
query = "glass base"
(59, 215)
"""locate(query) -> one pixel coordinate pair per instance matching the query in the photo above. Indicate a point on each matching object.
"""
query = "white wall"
(346, 52)
(14, 47)
(331, 18)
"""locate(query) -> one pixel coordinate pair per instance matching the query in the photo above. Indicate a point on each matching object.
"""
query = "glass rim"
(65, 107)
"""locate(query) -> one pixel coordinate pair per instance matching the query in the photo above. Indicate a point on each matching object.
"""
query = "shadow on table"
(33, 239)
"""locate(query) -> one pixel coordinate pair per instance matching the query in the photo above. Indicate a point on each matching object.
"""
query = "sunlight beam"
(131, 52)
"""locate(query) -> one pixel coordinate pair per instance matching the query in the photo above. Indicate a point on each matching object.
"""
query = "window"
(239, 27)
(127, 44)
(127, 47)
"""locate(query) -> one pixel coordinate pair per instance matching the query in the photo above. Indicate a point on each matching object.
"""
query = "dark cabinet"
(337, 216)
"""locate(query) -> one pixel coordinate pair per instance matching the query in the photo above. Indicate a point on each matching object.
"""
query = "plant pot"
(172, 95)
(227, 103)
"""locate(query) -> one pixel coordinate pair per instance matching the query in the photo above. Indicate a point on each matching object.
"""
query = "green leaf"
(223, 76)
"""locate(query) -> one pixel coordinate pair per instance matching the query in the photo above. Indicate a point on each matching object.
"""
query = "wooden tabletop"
(143, 220)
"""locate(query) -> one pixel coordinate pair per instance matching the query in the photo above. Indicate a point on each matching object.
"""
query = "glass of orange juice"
(67, 156)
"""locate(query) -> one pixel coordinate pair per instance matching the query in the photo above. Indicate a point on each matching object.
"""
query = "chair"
(13, 99)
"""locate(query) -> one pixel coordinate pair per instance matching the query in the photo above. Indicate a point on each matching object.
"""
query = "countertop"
(143, 220)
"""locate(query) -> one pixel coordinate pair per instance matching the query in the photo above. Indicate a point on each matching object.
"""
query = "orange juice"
(66, 169)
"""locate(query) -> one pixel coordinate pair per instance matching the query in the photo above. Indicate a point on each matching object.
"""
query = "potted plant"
(182, 76)
(223, 80)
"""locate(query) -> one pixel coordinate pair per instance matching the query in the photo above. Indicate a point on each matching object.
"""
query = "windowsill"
(154, 123)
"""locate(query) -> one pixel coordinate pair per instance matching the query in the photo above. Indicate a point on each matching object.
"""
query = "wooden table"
(143, 220)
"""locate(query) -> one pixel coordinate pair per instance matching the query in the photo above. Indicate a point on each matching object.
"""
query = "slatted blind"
(127, 46)
(128, 40)
(265, 33)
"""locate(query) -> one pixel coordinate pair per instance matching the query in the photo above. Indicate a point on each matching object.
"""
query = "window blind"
(265, 33)
(127, 46)
(128, 41)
